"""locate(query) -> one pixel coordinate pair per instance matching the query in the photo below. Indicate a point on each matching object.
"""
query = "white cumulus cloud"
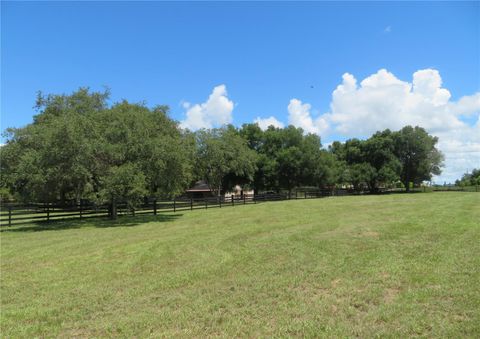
(299, 116)
(383, 101)
(265, 123)
(214, 112)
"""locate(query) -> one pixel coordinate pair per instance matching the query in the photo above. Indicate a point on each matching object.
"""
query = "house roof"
(200, 186)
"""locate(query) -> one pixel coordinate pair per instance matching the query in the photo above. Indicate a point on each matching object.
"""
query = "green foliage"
(417, 154)
(49, 159)
(360, 174)
(288, 158)
(408, 155)
(124, 183)
(222, 153)
(470, 179)
(132, 133)
(5, 194)
(370, 163)
(79, 145)
(80, 148)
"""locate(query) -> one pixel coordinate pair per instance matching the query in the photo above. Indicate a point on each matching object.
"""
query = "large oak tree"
(419, 158)
(79, 147)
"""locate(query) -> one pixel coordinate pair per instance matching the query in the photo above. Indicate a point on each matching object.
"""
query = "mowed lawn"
(389, 266)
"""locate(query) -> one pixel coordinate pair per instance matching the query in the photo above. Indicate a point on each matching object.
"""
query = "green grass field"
(389, 266)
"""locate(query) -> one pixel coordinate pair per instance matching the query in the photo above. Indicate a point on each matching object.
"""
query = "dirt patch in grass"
(335, 282)
(390, 295)
(370, 234)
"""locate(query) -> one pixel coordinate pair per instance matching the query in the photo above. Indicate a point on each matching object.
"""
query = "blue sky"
(272, 59)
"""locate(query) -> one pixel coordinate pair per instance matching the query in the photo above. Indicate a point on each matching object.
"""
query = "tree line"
(469, 179)
(81, 147)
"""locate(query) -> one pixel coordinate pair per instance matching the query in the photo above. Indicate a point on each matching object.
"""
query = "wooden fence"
(16, 214)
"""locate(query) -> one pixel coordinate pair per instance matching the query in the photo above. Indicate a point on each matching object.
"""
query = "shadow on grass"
(98, 222)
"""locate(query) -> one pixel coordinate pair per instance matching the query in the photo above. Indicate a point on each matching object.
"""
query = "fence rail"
(16, 214)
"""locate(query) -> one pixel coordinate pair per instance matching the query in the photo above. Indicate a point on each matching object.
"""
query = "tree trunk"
(407, 177)
(62, 198)
(407, 185)
(114, 209)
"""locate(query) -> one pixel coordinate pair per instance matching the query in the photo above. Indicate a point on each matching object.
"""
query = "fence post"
(155, 207)
(305, 194)
(9, 216)
(48, 212)
(80, 209)
(244, 199)
(174, 205)
(191, 204)
(220, 201)
(233, 201)
(206, 203)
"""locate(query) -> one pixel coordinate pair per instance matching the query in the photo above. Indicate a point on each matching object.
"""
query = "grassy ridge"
(396, 265)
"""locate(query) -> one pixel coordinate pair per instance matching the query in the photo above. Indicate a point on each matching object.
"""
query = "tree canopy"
(81, 147)
(470, 179)
(288, 158)
(368, 163)
(419, 158)
(223, 154)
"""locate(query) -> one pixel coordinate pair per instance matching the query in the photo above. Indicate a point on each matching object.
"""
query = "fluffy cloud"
(265, 123)
(214, 112)
(299, 116)
(383, 101)
(461, 147)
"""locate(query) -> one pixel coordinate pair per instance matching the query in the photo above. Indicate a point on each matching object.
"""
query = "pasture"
(396, 265)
